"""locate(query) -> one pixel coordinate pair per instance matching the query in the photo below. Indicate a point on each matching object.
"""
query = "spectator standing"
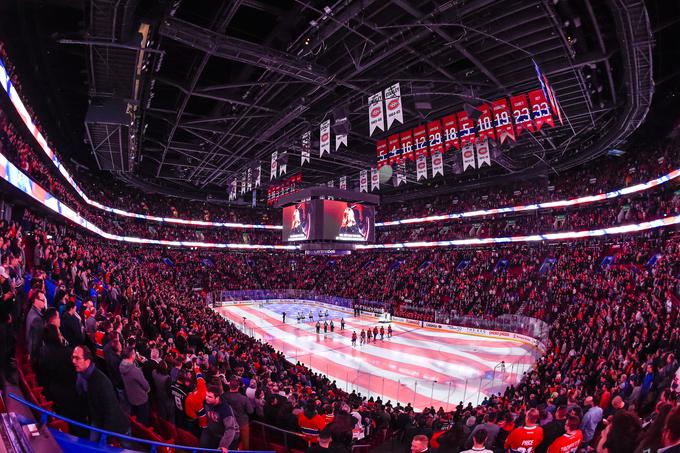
(325, 444)
(242, 408)
(102, 406)
(570, 440)
(136, 386)
(222, 430)
(479, 439)
(591, 419)
(35, 324)
(528, 436)
(671, 432)
(491, 428)
(71, 325)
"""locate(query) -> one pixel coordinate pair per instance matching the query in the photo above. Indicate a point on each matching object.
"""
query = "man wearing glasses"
(35, 324)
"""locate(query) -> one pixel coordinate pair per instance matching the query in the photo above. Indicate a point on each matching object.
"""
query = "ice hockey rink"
(418, 365)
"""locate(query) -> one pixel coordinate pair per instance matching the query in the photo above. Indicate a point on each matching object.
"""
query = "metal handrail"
(45, 414)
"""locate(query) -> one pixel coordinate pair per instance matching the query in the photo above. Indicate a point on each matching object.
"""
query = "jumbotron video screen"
(328, 220)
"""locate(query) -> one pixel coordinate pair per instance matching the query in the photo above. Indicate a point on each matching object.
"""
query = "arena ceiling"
(214, 86)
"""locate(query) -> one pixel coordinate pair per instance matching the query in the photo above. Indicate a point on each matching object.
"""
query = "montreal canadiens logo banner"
(232, 190)
(306, 147)
(437, 164)
(468, 156)
(483, 156)
(451, 132)
(393, 103)
(363, 181)
(541, 110)
(381, 151)
(421, 167)
(376, 115)
(521, 114)
(272, 173)
(485, 124)
(502, 121)
(343, 182)
(325, 138)
(375, 180)
(406, 146)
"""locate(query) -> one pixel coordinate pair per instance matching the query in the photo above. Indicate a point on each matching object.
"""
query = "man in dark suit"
(71, 328)
(103, 409)
(35, 324)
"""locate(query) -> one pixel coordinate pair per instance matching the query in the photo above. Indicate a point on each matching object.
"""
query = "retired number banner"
(394, 147)
(521, 114)
(485, 124)
(451, 133)
(407, 146)
(541, 110)
(502, 121)
(434, 135)
(381, 151)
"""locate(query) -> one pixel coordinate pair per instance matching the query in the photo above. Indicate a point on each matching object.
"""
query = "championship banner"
(258, 173)
(306, 147)
(521, 114)
(375, 180)
(485, 123)
(437, 164)
(483, 156)
(394, 147)
(466, 130)
(340, 139)
(434, 135)
(343, 182)
(406, 146)
(393, 103)
(501, 116)
(283, 163)
(421, 167)
(232, 190)
(249, 180)
(381, 151)
(363, 181)
(331, 184)
(468, 156)
(419, 141)
(243, 183)
(539, 105)
(450, 132)
(401, 173)
(272, 173)
(325, 138)
(376, 116)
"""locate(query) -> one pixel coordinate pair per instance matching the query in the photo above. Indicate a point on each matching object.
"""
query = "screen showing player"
(347, 221)
(297, 222)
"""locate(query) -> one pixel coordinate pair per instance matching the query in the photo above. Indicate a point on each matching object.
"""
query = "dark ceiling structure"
(185, 95)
